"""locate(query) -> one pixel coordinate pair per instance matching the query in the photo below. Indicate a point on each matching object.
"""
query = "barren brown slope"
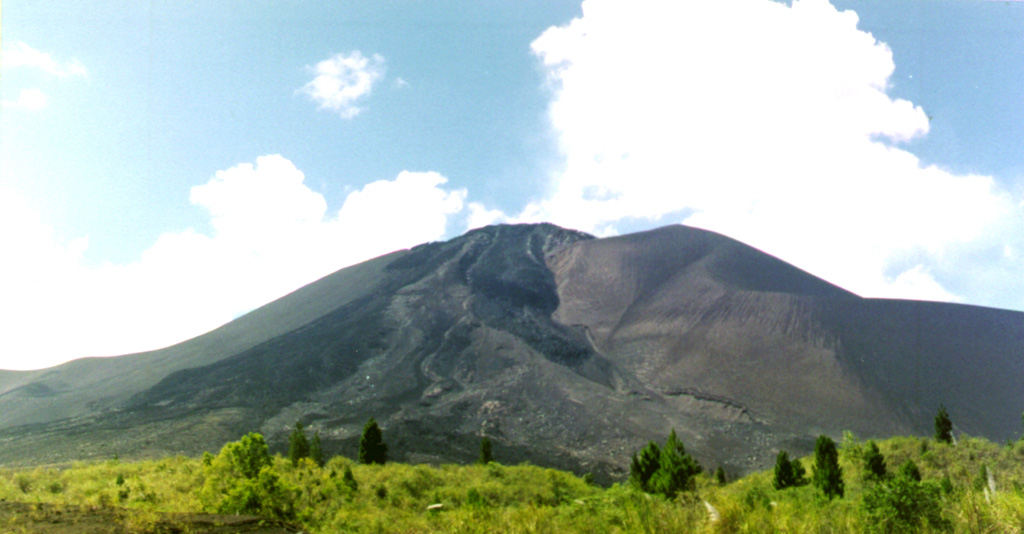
(693, 313)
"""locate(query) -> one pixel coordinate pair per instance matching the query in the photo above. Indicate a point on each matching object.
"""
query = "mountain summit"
(563, 349)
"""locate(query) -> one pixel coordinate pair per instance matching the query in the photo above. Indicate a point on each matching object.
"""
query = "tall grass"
(495, 498)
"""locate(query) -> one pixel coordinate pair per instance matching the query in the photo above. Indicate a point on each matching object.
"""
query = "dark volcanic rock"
(565, 350)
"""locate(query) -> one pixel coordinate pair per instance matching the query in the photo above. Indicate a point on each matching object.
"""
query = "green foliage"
(943, 426)
(904, 504)
(874, 463)
(485, 451)
(909, 470)
(720, 476)
(665, 471)
(788, 474)
(247, 456)
(372, 449)
(316, 452)
(298, 445)
(643, 466)
(676, 469)
(480, 499)
(828, 475)
(241, 480)
(349, 479)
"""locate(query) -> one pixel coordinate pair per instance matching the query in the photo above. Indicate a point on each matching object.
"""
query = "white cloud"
(30, 99)
(271, 235)
(344, 79)
(767, 122)
(20, 54)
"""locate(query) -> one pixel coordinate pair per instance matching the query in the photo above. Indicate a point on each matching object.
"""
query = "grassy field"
(958, 479)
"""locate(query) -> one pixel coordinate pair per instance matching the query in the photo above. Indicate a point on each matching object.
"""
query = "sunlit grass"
(530, 499)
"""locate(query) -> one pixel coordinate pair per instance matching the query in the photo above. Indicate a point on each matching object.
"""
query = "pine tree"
(943, 426)
(676, 469)
(828, 476)
(784, 477)
(874, 463)
(372, 449)
(667, 470)
(720, 476)
(316, 452)
(298, 445)
(643, 467)
(485, 451)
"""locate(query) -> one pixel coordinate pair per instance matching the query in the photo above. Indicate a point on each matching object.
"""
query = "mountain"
(564, 349)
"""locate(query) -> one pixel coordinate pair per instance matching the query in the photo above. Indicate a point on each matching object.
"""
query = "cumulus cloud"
(30, 99)
(20, 54)
(767, 122)
(342, 80)
(271, 235)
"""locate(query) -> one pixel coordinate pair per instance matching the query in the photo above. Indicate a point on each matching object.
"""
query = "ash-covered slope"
(565, 350)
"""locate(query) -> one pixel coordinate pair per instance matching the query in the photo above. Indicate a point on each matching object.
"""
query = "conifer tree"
(676, 468)
(784, 477)
(485, 451)
(298, 445)
(667, 470)
(874, 463)
(828, 476)
(943, 426)
(643, 467)
(720, 476)
(316, 452)
(372, 449)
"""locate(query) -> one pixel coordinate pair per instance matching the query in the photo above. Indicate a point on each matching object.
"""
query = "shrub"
(241, 480)
(904, 504)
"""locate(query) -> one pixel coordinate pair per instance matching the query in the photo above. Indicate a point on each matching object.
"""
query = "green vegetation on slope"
(972, 487)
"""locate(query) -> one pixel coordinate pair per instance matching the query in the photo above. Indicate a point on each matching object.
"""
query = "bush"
(241, 480)
(904, 504)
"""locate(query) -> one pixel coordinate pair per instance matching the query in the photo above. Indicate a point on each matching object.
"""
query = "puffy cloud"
(342, 80)
(20, 54)
(30, 99)
(767, 122)
(271, 235)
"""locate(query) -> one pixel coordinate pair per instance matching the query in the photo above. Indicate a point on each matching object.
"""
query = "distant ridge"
(564, 349)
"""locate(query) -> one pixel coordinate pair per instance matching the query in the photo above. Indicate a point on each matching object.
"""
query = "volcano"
(563, 349)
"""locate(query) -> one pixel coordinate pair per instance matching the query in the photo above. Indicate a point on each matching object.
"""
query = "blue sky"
(167, 166)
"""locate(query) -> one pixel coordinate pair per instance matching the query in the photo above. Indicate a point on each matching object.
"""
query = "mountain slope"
(564, 349)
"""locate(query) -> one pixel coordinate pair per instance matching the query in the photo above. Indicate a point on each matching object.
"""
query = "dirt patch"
(16, 517)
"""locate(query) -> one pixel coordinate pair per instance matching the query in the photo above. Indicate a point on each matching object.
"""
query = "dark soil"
(16, 517)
